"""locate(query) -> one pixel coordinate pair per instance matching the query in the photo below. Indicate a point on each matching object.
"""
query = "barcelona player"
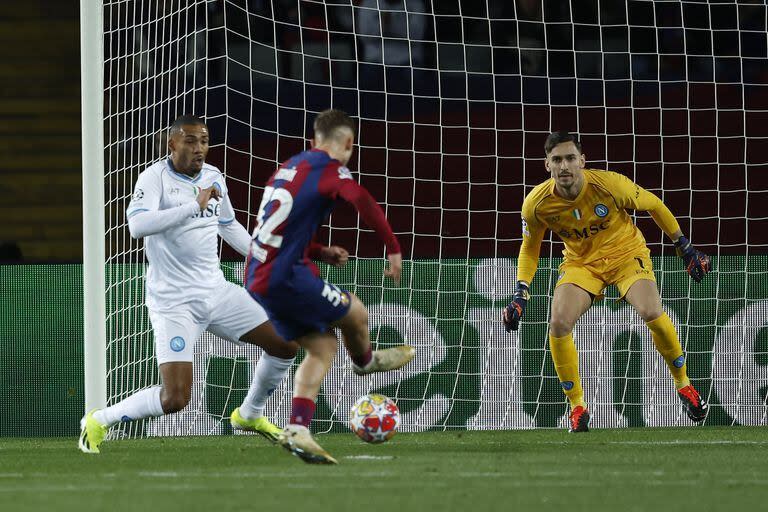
(587, 208)
(280, 275)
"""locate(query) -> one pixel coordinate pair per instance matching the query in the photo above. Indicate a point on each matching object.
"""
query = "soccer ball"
(374, 418)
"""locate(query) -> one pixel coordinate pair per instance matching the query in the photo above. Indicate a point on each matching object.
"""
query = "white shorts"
(229, 315)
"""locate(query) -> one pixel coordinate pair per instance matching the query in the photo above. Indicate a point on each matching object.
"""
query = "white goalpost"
(94, 307)
(454, 100)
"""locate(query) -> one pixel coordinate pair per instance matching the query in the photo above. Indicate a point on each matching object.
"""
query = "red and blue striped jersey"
(297, 198)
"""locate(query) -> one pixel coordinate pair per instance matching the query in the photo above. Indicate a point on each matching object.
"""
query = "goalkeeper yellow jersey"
(595, 227)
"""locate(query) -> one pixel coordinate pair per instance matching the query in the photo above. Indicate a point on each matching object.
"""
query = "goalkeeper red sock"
(302, 410)
(566, 361)
(666, 342)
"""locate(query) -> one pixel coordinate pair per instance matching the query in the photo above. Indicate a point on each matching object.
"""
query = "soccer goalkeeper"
(588, 209)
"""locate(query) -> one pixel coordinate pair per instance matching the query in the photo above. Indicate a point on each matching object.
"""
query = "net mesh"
(454, 101)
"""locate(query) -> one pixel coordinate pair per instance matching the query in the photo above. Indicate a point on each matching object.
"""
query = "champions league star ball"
(374, 418)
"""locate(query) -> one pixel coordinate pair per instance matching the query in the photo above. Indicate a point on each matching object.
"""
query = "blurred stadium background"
(452, 123)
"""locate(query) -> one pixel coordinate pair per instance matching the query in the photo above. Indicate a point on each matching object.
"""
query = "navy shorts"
(304, 304)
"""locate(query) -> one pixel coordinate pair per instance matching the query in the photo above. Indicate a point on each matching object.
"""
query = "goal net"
(454, 101)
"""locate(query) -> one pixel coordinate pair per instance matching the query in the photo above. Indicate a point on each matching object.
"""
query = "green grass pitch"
(619, 470)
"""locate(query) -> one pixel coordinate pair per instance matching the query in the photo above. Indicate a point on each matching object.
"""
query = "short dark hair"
(185, 120)
(328, 121)
(556, 138)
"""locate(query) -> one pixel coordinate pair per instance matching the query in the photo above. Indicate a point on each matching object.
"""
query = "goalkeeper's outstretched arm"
(632, 195)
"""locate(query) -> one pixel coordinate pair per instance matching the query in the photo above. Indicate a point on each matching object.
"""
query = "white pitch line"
(690, 442)
(369, 457)
(597, 442)
(255, 474)
(79, 488)
(159, 474)
(421, 484)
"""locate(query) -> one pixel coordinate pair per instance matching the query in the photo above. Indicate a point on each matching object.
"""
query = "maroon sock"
(363, 359)
(302, 410)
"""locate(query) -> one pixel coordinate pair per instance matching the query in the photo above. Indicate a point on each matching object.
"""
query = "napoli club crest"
(177, 344)
(601, 210)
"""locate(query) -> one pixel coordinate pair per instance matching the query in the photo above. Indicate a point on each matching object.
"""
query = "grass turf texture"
(626, 469)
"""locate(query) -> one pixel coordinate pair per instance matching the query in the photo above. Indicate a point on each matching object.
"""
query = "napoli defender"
(281, 276)
(588, 210)
(180, 206)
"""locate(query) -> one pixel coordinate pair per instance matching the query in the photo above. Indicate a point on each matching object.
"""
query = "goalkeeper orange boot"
(579, 419)
(695, 407)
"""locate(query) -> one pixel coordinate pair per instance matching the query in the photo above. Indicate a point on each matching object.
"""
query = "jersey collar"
(182, 176)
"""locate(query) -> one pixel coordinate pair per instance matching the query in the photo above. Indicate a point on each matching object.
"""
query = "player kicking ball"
(588, 209)
(180, 206)
(280, 275)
